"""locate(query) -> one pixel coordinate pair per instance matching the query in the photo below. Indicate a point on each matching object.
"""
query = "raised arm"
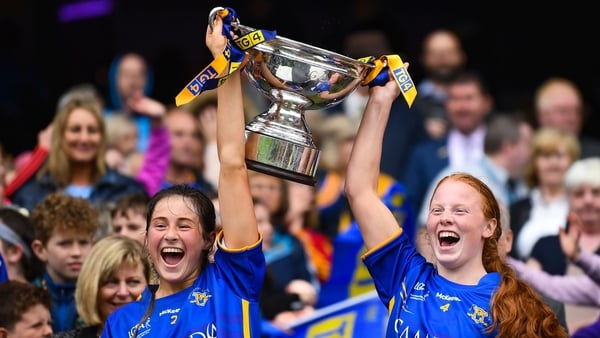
(569, 242)
(237, 209)
(375, 220)
(33, 164)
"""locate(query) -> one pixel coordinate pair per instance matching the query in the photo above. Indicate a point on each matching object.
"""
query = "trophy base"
(282, 158)
(281, 173)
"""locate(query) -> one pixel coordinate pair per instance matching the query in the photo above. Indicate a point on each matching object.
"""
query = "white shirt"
(465, 149)
(545, 218)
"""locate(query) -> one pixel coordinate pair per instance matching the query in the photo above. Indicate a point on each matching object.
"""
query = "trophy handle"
(212, 16)
(215, 11)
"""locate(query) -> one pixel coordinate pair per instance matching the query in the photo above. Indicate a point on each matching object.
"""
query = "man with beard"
(442, 58)
(468, 106)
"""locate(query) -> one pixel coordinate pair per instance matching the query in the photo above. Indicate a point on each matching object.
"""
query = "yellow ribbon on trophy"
(233, 58)
(378, 75)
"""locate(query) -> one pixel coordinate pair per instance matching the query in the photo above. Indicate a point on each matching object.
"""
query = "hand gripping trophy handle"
(296, 78)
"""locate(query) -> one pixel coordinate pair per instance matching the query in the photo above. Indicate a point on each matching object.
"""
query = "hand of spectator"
(45, 137)
(113, 158)
(145, 105)
(569, 240)
(305, 290)
(286, 318)
(207, 123)
(534, 263)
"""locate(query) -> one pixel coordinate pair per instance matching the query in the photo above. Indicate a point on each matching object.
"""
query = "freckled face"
(456, 225)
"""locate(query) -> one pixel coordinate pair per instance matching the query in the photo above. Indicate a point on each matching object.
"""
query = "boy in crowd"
(28, 314)
(64, 228)
(128, 217)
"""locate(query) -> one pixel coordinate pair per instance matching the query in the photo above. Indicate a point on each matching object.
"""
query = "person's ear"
(3, 333)
(509, 239)
(210, 243)
(490, 228)
(13, 253)
(40, 250)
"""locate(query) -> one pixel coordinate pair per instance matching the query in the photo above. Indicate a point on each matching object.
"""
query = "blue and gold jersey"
(222, 302)
(422, 303)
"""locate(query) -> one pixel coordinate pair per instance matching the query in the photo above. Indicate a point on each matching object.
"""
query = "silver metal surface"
(295, 77)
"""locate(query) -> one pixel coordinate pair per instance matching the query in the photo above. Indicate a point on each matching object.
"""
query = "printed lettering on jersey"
(405, 331)
(200, 297)
(209, 332)
(420, 297)
(447, 297)
(169, 312)
(142, 329)
(419, 293)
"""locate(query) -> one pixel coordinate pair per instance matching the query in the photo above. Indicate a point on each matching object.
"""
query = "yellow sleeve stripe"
(376, 247)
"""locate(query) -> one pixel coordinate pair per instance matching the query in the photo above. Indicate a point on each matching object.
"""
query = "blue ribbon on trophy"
(296, 78)
(234, 57)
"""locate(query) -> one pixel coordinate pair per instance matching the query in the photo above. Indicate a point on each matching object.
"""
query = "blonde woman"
(544, 211)
(116, 271)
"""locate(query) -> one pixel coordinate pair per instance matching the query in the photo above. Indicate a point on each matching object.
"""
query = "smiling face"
(552, 166)
(457, 226)
(467, 106)
(123, 287)
(175, 242)
(584, 200)
(82, 136)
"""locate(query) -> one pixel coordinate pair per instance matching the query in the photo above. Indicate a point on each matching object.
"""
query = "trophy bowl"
(296, 78)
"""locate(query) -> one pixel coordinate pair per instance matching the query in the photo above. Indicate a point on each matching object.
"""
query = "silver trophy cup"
(296, 78)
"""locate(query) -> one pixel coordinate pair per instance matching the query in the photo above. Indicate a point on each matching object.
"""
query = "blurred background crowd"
(44, 52)
(87, 114)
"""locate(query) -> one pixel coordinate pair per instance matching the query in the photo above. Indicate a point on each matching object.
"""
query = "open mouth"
(448, 238)
(172, 256)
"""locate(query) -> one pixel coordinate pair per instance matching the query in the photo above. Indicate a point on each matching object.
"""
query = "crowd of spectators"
(99, 161)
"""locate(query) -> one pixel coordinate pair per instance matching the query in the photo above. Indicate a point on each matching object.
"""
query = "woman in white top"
(545, 210)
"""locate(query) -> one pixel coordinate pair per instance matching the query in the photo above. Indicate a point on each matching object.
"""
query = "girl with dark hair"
(197, 297)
